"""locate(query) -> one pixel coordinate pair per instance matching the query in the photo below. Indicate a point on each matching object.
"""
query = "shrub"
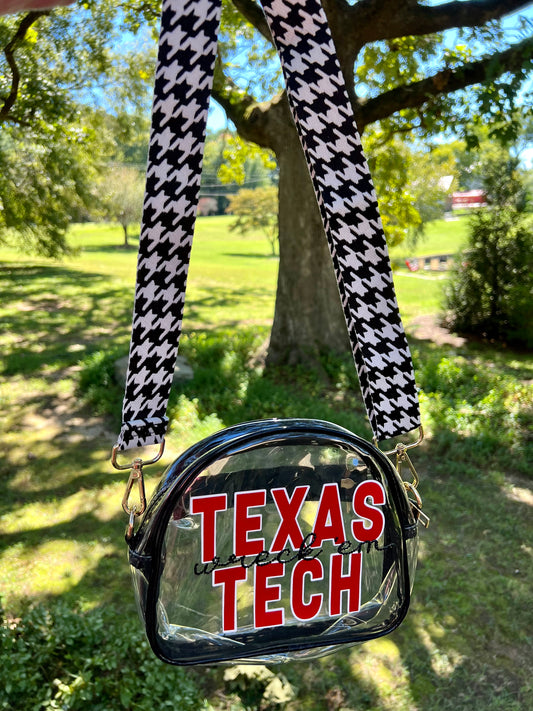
(59, 658)
(97, 384)
(472, 400)
(489, 293)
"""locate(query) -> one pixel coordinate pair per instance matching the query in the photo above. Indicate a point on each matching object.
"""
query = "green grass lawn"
(440, 237)
(231, 275)
(466, 644)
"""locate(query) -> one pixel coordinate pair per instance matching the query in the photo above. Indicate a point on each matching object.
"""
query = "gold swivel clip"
(135, 480)
(402, 458)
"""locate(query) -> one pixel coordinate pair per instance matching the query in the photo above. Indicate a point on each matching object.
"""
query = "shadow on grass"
(63, 493)
(132, 246)
(55, 449)
(204, 305)
(56, 313)
(26, 277)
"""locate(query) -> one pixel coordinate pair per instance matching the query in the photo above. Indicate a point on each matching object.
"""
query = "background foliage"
(490, 292)
(59, 657)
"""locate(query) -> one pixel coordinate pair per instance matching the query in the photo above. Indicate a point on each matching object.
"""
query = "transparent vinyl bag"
(274, 540)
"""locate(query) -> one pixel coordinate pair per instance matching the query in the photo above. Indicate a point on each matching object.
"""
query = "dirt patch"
(427, 328)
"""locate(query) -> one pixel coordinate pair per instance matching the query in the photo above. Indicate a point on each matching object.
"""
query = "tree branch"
(374, 20)
(418, 93)
(264, 123)
(436, 18)
(253, 12)
(9, 52)
(231, 98)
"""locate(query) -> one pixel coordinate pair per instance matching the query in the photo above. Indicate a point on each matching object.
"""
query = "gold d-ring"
(404, 447)
(145, 463)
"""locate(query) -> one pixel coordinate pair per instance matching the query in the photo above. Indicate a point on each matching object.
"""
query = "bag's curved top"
(271, 539)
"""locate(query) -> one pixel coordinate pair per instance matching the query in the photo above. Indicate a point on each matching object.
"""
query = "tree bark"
(308, 316)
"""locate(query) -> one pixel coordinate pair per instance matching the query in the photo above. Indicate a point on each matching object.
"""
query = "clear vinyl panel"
(280, 545)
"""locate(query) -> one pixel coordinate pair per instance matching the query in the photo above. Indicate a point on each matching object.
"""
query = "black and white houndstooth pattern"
(344, 190)
(324, 118)
(184, 76)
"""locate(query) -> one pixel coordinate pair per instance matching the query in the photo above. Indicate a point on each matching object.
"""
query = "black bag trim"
(146, 546)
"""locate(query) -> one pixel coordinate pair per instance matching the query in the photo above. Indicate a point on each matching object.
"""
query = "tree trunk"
(125, 228)
(308, 316)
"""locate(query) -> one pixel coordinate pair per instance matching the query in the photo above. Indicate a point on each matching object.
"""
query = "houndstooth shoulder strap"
(343, 186)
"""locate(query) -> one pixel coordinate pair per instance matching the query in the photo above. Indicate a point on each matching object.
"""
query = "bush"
(489, 293)
(97, 384)
(472, 400)
(59, 658)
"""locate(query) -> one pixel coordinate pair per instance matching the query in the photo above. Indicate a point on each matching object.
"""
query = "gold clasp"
(411, 486)
(401, 457)
(416, 505)
(136, 475)
(405, 447)
(123, 467)
(130, 528)
(136, 478)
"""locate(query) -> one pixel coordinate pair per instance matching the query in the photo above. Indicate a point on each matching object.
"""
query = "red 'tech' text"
(271, 572)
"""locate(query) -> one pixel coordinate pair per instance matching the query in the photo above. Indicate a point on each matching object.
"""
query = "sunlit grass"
(440, 237)
(418, 295)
